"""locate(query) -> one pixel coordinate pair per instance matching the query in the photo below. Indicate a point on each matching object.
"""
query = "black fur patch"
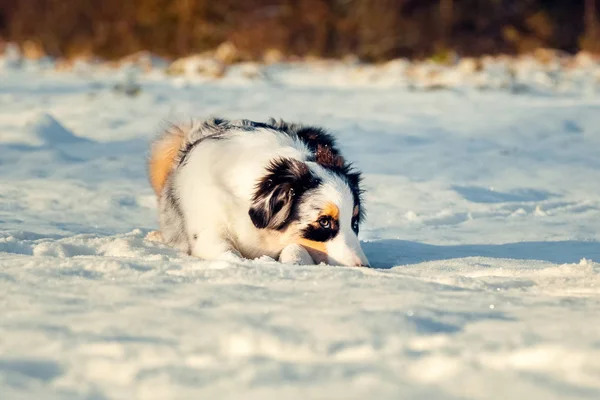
(326, 154)
(320, 143)
(317, 233)
(279, 191)
(355, 223)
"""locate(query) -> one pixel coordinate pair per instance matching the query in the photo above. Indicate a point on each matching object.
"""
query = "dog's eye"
(325, 222)
(355, 225)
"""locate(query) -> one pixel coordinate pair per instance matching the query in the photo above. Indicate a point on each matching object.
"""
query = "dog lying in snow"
(255, 189)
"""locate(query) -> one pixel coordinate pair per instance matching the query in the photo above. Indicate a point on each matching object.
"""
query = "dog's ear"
(278, 192)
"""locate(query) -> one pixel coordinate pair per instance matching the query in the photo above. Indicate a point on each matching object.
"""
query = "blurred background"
(372, 30)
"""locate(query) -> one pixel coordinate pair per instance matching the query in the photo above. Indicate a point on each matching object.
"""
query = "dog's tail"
(164, 154)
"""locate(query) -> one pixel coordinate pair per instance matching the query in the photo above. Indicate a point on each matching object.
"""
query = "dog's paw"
(155, 236)
(295, 254)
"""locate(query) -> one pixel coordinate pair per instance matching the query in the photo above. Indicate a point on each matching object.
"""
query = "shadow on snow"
(390, 253)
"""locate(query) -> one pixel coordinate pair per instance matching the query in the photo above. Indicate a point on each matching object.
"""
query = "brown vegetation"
(373, 30)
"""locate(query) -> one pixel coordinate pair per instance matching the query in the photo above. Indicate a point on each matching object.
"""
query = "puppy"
(257, 189)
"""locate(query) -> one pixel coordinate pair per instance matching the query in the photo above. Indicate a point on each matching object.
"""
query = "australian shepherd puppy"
(257, 189)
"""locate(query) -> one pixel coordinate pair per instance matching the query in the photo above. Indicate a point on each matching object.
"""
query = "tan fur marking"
(317, 250)
(331, 210)
(162, 158)
(311, 244)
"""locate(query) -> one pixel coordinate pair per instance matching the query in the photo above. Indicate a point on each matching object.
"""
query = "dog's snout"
(359, 262)
(346, 250)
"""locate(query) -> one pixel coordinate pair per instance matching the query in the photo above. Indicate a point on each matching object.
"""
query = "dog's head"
(316, 207)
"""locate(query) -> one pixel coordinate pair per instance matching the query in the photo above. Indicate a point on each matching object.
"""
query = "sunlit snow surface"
(483, 230)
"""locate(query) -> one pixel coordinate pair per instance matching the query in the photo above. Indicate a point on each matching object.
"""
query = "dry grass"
(373, 30)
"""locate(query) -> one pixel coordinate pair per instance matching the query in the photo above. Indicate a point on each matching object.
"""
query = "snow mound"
(45, 130)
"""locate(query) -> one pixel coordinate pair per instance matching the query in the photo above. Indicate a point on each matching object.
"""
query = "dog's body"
(275, 189)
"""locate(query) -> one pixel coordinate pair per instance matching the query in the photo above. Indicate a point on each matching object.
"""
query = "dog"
(257, 189)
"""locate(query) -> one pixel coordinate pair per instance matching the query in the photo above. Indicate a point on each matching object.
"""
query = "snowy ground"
(484, 209)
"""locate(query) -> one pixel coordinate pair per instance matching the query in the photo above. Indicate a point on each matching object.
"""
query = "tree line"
(373, 30)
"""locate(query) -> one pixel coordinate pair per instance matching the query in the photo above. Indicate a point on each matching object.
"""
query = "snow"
(483, 210)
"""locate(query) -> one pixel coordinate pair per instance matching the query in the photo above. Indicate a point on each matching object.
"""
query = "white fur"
(216, 187)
